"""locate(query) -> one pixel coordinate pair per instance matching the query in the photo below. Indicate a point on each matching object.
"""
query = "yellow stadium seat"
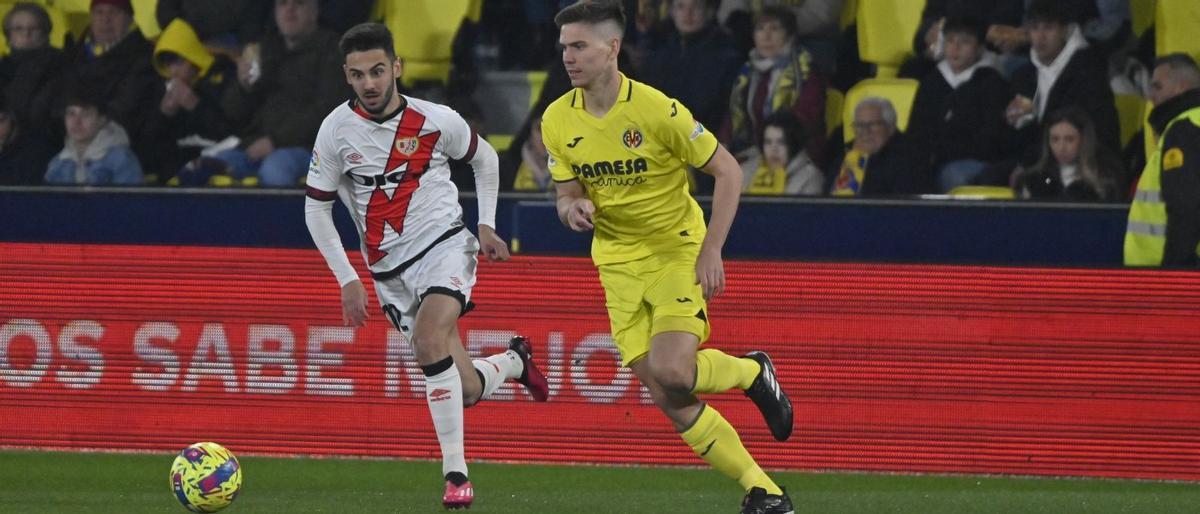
(885, 32)
(144, 17)
(1177, 25)
(833, 110)
(537, 80)
(900, 92)
(58, 26)
(424, 33)
(501, 142)
(1129, 112)
(981, 193)
(1141, 15)
(849, 13)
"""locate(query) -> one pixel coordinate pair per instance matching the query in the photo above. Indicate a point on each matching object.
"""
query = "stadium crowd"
(1019, 95)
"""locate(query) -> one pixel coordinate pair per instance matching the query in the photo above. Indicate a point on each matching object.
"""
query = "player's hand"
(710, 272)
(260, 148)
(579, 218)
(491, 245)
(354, 304)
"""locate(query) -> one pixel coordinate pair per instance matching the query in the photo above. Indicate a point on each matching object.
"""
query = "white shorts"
(448, 268)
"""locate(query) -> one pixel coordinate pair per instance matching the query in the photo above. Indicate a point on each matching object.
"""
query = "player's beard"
(387, 99)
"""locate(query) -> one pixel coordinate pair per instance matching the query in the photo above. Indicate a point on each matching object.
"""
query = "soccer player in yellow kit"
(619, 152)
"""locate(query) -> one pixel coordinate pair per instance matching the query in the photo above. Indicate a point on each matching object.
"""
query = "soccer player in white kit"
(385, 156)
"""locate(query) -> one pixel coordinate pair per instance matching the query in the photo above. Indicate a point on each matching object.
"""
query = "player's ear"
(398, 67)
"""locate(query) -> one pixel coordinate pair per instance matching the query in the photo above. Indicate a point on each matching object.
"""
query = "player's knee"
(675, 378)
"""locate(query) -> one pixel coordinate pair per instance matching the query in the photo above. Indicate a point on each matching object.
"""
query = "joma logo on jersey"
(625, 167)
(377, 180)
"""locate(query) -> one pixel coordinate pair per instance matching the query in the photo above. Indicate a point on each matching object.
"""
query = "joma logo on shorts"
(602, 168)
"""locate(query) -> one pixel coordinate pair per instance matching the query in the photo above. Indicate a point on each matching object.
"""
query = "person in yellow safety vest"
(1164, 219)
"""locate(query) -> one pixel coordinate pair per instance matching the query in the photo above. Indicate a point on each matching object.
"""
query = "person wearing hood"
(1064, 71)
(1164, 219)
(195, 81)
(96, 151)
(778, 77)
(958, 113)
(30, 75)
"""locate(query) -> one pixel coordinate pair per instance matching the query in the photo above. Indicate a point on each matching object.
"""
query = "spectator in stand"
(282, 106)
(23, 158)
(339, 15)
(30, 75)
(533, 173)
(816, 25)
(781, 165)
(189, 110)
(958, 113)
(113, 61)
(226, 24)
(881, 160)
(96, 151)
(1073, 166)
(1164, 220)
(696, 64)
(1001, 17)
(779, 76)
(1065, 71)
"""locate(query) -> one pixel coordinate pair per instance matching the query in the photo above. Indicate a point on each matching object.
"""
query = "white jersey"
(393, 176)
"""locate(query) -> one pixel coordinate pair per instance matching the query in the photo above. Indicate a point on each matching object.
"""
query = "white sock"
(498, 368)
(443, 393)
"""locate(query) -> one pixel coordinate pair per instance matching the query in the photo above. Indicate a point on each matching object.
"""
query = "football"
(206, 477)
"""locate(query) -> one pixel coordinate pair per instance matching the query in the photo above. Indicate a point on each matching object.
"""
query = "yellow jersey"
(632, 162)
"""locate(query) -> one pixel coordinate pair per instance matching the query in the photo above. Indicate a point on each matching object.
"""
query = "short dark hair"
(39, 13)
(1062, 12)
(971, 26)
(368, 36)
(1183, 67)
(784, 15)
(592, 12)
(793, 132)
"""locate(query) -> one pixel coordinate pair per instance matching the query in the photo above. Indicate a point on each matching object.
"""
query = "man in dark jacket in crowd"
(282, 99)
(30, 75)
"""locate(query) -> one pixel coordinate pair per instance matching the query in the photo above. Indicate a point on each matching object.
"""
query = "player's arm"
(323, 175)
(486, 164)
(710, 271)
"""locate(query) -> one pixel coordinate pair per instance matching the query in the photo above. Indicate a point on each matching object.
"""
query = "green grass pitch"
(57, 482)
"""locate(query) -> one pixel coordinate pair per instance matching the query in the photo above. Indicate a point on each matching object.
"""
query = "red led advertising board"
(891, 367)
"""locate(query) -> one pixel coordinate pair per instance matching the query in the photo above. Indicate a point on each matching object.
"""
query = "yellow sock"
(715, 441)
(717, 372)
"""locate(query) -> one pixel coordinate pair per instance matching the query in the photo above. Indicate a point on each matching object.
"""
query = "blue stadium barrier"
(926, 231)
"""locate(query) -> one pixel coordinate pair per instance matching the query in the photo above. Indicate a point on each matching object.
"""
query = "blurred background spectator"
(695, 63)
(96, 149)
(881, 161)
(282, 95)
(779, 76)
(113, 61)
(224, 24)
(1003, 33)
(533, 173)
(189, 109)
(816, 25)
(23, 158)
(30, 75)
(781, 165)
(1073, 165)
(958, 112)
(1065, 71)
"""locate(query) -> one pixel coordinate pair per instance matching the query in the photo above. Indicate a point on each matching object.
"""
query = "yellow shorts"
(653, 295)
